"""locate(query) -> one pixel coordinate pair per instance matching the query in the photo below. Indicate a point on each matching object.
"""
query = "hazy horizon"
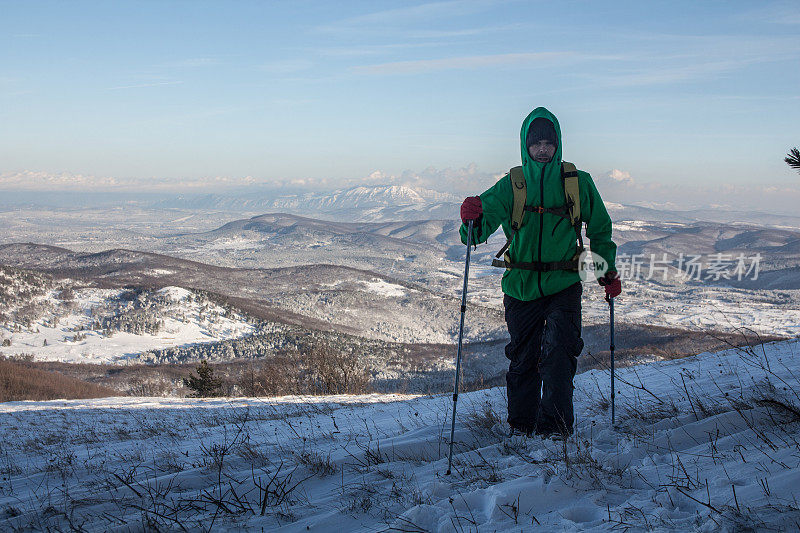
(615, 186)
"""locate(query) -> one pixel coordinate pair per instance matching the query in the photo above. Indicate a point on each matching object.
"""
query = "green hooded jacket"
(543, 236)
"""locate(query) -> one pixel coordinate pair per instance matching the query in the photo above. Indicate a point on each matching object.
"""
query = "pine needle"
(793, 159)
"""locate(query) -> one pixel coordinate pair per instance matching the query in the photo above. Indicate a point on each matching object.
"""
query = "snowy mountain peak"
(380, 202)
(399, 193)
(362, 202)
(384, 195)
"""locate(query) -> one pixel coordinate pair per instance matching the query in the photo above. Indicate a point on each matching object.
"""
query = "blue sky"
(219, 94)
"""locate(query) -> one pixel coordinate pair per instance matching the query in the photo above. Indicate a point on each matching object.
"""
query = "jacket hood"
(528, 164)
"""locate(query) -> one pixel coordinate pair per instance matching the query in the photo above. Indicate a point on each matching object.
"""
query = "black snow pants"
(545, 344)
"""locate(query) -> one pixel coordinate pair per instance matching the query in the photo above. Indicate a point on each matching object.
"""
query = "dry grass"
(315, 370)
(23, 381)
(635, 340)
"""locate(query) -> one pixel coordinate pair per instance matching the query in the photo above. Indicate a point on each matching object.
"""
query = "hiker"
(541, 285)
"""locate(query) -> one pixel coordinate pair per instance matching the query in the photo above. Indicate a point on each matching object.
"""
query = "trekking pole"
(460, 338)
(611, 309)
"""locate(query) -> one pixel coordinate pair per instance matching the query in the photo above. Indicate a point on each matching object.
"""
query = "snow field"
(706, 443)
(717, 308)
(698, 308)
(53, 336)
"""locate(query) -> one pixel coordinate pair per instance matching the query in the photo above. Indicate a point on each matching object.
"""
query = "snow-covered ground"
(67, 336)
(766, 312)
(719, 308)
(707, 443)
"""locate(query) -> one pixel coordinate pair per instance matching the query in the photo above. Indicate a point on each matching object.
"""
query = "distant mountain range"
(385, 203)
(365, 204)
(374, 203)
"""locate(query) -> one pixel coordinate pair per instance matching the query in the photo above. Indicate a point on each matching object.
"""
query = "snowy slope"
(707, 443)
(764, 312)
(100, 326)
(318, 296)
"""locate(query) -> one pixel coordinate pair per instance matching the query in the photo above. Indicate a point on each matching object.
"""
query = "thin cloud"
(693, 58)
(619, 187)
(787, 18)
(65, 181)
(376, 49)
(464, 62)
(144, 85)
(399, 21)
(194, 62)
(785, 13)
(424, 12)
(702, 44)
(785, 98)
(287, 66)
(666, 75)
(466, 32)
(428, 38)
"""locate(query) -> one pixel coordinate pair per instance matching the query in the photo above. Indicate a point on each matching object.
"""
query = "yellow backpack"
(571, 211)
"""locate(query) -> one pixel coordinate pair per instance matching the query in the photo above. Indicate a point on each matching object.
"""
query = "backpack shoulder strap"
(520, 189)
(571, 210)
(572, 195)
(572, 192)
(520, 197)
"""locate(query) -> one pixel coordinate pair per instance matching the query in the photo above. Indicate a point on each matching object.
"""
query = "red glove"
(471, 209)
(611, 283)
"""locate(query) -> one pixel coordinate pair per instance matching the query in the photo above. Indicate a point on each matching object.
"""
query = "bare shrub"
(317, 463)
(783, 406)
(336, 372)
(150, 387)
(481, 421)
(316, 370)
(276, 376)
(20, 380)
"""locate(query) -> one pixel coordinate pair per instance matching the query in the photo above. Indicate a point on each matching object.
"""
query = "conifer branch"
(793, 159)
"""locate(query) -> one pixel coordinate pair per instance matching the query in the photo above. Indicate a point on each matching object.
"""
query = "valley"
(136, 288)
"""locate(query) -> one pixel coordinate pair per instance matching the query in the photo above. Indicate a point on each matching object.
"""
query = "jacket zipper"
(541, 228)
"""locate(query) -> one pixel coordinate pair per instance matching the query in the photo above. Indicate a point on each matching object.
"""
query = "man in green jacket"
(542, 295)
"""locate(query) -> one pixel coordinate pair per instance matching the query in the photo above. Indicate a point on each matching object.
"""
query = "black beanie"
(541, 129)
